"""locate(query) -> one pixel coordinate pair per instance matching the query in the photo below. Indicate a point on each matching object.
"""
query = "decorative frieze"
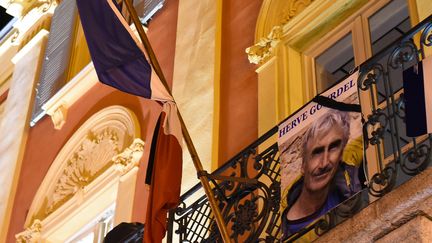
(104, 141)
(85, 165)
(82, 168)
(292, 9)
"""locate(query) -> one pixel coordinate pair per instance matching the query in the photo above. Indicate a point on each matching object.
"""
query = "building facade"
(74, 152)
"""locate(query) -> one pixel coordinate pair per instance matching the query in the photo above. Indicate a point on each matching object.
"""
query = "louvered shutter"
(56, 57)
(147, 8)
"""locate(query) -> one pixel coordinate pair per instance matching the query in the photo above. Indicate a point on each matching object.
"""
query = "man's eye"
(317, 151)
(335, 145)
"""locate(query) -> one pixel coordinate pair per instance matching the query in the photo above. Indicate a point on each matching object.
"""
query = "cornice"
(298, 23)
(59, 104)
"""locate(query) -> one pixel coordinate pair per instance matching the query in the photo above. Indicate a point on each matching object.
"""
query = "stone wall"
(404, 215)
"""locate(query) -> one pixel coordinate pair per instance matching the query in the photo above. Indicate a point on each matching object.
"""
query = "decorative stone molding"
(105, 140)
(59, 104)
(279, 12)
(292, 9)
(58, 117)
(130, 157)
(28, 26)
(274, 15)
(18, 8)
(120, 174)
(31, 234)
(24, 31)
(264, 49)
(83, 167)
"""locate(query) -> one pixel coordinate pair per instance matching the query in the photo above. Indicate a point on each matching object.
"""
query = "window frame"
(358, 25)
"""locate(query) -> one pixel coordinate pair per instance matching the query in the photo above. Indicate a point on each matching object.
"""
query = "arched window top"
(277, 13)
(106, 140)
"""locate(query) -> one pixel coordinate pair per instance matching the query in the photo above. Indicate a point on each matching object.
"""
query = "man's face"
(321, 159)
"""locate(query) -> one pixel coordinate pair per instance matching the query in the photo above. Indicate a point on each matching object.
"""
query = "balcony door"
(361, 36)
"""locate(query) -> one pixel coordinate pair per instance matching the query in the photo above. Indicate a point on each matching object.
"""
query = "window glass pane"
(96, 230)
(388, 24)
(4, 17)
(89, 238)
(6, 22)
(335, 63)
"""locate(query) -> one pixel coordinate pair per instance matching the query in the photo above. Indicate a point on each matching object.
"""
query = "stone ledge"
(419, 229)
(389, 213)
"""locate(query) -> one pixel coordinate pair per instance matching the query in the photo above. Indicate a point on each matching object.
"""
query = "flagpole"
(195, 158)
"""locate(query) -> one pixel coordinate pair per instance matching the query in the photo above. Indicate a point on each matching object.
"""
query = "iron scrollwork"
(416, 160)
(403, 53)
(382, 182)
(377, 122)
(370, 77)
(251, 210)
(426, 37)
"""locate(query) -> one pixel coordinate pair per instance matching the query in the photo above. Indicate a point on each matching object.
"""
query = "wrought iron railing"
(251, 207)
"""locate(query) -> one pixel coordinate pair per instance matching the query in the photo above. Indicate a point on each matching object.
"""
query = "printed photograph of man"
(326, 179)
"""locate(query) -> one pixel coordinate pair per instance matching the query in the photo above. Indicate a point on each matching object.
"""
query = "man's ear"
(302, 168)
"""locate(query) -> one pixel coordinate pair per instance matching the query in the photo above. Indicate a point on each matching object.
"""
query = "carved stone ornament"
(264, 49)
(107, 139)
(18, 8)
(130, 157)
(59, 117)
(31, 234)
(293, 8)
(84, 166)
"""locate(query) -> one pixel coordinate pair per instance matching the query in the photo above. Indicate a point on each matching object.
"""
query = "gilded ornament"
(264, 49)
(293, 9)
(31, 234)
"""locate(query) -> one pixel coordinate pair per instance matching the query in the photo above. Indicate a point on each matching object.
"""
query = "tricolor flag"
(417, 83)
(121, 62)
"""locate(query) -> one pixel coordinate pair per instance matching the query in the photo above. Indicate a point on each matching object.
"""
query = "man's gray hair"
(324, 124)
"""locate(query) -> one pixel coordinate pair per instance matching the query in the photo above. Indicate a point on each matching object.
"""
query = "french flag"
(417, 83)
(121, 61)
(118, 57)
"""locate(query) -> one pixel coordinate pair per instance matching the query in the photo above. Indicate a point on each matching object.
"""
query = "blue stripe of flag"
(118, 61)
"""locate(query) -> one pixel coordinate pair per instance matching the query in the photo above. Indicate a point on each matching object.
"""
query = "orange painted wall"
(162, 31)
(238, 87)
(44, 142)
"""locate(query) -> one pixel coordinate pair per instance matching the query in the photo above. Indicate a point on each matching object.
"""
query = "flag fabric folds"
(120, 61)
(165, 180)
(417, 83)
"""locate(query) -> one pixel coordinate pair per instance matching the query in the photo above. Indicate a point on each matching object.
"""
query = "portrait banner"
(321, 152)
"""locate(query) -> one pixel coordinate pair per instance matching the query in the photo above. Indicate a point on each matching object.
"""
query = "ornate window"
(98, 163)
(298, 41)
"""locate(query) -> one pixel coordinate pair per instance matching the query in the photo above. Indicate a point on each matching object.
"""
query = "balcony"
(250, 201)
